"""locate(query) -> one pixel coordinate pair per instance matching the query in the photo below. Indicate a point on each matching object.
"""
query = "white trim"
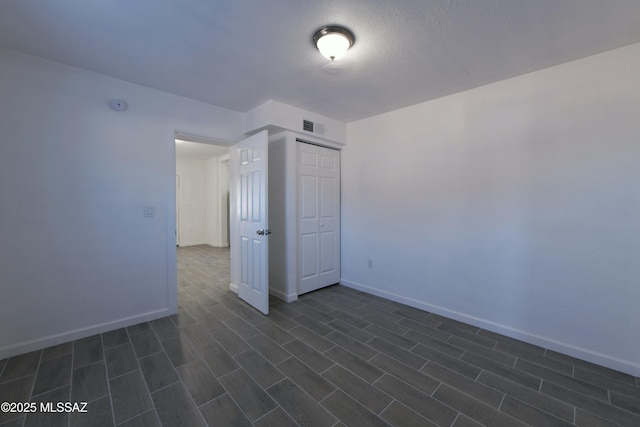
(185, 136)
(170, 206)
(196, 243)
(314, 141)
(234, 227)
(282, 296)
(40, 343)
(626, 366)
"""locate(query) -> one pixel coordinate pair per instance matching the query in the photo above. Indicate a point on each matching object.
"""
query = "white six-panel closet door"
(319, 217)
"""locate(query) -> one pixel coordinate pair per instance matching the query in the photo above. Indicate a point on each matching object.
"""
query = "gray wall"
(514, 206)
(78, 256)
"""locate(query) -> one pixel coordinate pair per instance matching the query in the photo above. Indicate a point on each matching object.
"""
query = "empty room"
(408, 213)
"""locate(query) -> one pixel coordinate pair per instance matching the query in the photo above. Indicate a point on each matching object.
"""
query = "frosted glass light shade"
(333, 42)
(333, 46)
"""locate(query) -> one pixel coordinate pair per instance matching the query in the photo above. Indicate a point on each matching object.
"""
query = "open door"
(249, 226)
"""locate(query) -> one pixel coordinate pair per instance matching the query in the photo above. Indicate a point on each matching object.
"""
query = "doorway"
(244, 170)
(202, 194)
(202, 218)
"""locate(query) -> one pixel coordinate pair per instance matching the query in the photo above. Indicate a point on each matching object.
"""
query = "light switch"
(149, 211)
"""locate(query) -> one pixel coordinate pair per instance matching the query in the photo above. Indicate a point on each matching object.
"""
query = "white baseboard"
(608, 361)
(44, 342)
(194, 243)
(282, 296)
(217, 244)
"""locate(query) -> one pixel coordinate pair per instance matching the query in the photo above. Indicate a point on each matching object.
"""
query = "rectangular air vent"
(307, 125)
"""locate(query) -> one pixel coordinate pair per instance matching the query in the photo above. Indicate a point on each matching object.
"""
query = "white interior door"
(319, 217)
(249, 214)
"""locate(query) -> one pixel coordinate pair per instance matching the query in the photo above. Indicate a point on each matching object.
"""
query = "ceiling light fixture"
(333, 41)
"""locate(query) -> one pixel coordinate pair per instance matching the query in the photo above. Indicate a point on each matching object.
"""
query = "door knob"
(262, 232)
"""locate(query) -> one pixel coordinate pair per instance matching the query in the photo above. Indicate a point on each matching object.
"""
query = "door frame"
(177, 209)
(320, 277)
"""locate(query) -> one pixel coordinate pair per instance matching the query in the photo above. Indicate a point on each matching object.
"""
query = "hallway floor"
(334, 357)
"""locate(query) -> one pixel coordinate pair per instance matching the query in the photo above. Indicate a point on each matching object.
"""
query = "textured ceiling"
(238, 54)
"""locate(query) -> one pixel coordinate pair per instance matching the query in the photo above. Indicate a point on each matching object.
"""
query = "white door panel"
(309, 197)
(327, 251)
(309, 252)
(327, 196)
(327, 162)
(309, 159)
(249, 169)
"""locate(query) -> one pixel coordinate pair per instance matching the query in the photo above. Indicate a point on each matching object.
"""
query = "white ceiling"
(238, 54)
